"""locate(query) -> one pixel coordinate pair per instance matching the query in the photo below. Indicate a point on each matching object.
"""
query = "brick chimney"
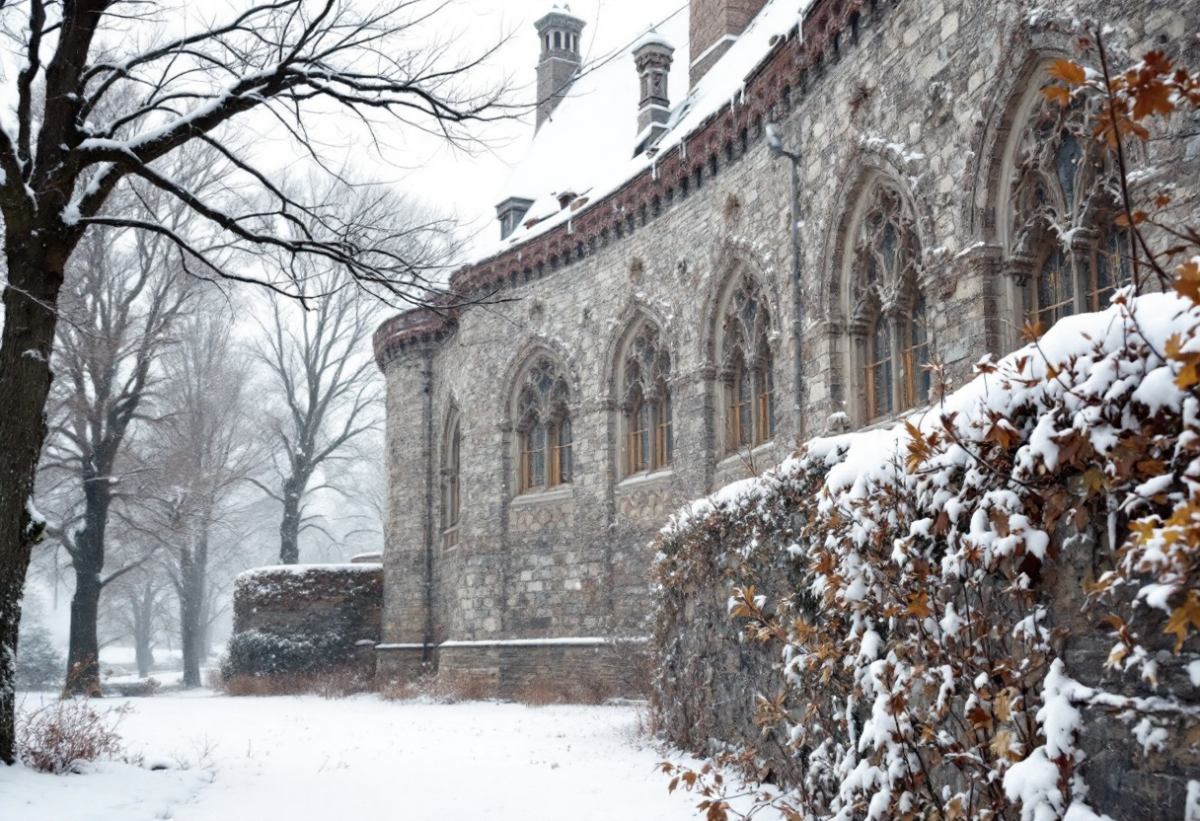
(652, 56)
(715, 24)
(559, 34)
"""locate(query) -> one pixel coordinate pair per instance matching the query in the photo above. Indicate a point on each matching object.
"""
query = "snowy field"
(359, 759)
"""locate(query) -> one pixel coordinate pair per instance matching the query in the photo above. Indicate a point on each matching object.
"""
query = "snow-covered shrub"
(54, 738)
(39, 665)
(303, 628)
(259, 653)
(935, 599)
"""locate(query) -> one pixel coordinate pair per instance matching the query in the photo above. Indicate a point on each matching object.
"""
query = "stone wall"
(926, 94)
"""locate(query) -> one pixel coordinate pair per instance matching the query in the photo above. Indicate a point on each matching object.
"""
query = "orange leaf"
(1187, 280)
(1152, 98)
(1057, 94)
(918, 604)
(979, 718)
(1068, 71)
(1185, 615)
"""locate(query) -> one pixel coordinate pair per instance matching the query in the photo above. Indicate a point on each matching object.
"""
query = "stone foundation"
(577, 670)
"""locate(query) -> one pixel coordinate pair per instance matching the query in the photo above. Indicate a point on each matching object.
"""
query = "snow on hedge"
(927, 669)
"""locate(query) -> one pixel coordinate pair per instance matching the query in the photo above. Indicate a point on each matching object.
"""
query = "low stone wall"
(579, 670)
(576, 670)
(283, 615)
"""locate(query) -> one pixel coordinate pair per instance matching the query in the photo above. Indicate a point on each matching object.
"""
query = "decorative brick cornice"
(772, 87)
(420, 327)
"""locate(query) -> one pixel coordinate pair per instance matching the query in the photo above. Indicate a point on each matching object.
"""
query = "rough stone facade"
(920, 107)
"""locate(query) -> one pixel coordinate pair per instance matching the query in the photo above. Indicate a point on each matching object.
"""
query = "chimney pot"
(652, 56)
(560, 59)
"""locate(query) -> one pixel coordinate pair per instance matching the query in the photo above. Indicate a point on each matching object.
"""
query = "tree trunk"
(193, 571)
(206, 619)
(83, 655)
(143, 628)
(25, 346)
(190, 629)
(289, 528)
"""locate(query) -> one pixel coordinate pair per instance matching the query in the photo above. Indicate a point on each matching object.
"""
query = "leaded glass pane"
(1066, 167)
(745, 391)
(563, 449)
(535, 457)
(919, 379)
(1055, 290)
(880, 368)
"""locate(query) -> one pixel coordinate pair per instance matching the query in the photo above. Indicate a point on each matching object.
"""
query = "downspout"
(775, 145)
(797, 299)
(427, 419)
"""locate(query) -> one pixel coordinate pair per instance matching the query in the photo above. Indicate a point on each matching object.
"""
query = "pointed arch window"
(646, 402)
(889, 309)
(544, 427)
(452, 482)
(1066, 252)
(747, 375)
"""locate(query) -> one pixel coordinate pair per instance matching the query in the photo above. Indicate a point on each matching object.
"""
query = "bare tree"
(136, 606)
(118, 309)
(206, 450)
(101, 98)
(325, 385)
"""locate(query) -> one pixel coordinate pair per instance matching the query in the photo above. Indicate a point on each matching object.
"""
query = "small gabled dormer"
(510, 213)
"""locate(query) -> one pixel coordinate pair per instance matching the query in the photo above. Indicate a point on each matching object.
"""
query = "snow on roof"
(650, 38)
(586, 147)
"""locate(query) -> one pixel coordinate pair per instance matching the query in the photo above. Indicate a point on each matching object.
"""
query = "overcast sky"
(470, 185)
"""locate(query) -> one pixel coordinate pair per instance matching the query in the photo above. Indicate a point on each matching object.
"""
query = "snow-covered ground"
(359, 759)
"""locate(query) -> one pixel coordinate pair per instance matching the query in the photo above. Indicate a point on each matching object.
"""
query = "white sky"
(470, 185)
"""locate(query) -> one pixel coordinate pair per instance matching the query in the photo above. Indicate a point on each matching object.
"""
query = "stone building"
(765, 220)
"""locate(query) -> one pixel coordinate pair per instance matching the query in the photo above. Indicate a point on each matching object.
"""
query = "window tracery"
(747, 368)
(889, 309)
(646, 402)
(1066, 253)
(544, 427)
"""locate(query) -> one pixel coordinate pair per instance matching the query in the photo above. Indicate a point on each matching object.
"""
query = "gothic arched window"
(748, 381)
(1065, 251)
(544, 427)
(451, 482)
(889, 309)
(646, 402)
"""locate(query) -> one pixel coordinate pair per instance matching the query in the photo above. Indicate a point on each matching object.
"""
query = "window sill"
(532, 498)
(637, 480)
(756, 453)
(890, 421)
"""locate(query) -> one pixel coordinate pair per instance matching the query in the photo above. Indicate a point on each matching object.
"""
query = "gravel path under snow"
(359, 759)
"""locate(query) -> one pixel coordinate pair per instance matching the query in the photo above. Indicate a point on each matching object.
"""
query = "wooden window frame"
(645, 407)
(452, 493)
